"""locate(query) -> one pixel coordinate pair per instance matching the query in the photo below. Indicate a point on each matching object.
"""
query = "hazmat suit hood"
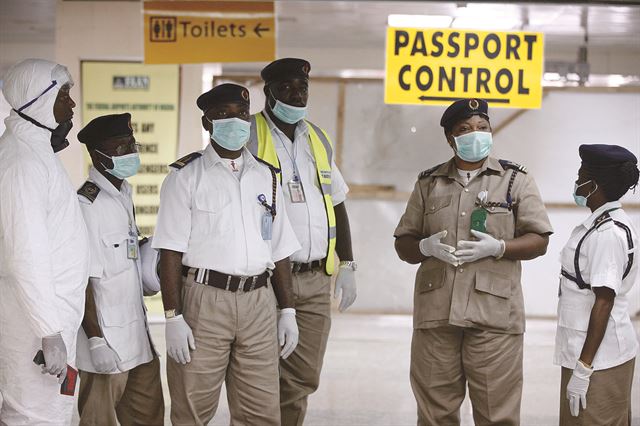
(31, 88)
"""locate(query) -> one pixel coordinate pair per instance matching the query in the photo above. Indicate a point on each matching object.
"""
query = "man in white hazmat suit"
(43, 247)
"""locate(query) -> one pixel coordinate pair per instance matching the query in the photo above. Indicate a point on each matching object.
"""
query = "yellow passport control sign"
(426, 66)
(180, 32)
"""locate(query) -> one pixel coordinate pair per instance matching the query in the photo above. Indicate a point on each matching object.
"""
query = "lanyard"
(296, 172)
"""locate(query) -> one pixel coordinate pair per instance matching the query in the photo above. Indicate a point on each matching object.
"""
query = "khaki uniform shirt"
(487, 293)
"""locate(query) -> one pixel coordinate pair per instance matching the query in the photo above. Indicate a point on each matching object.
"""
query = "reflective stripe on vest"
(261, 144)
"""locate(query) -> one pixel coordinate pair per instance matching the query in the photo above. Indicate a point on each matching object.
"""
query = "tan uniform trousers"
(133, 397)
(236, 342)
(446, 358)
(608, 398)
(300, 372)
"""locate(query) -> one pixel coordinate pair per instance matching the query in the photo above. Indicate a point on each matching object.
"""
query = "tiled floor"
(365, 379)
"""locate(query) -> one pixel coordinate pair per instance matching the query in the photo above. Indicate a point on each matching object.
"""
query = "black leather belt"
(227, 282)
(299, 268)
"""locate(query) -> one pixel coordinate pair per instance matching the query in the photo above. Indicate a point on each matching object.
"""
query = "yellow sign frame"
(180, 32)
(429, 66)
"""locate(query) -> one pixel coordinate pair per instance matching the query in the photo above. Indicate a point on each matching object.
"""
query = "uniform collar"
(301, 127)
(211, 157)
(603, 208)
(450, 170)
(104, 184)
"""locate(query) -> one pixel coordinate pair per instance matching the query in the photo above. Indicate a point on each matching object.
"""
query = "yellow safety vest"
(261, 144)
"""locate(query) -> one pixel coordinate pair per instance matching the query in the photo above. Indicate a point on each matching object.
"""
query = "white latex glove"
(470, 251)
(179, 339)
(431, 246)
(55, 356)
(104, 359)
(577, 388)
(287, 331)
(345, 284)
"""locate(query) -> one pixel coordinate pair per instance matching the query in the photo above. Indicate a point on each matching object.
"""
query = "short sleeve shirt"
(603, 259)
(215, 219)
(487, 293)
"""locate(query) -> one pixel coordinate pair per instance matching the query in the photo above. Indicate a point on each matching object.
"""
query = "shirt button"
(461, 270)
(430, 285)
(463, 214)
(433, 208)
(466, 190)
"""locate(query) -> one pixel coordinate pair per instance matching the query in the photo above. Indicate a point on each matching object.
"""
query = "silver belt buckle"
(253, 283)
(243, 279)
(200, 275)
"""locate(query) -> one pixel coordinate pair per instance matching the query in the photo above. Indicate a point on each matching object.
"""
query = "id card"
(296, 191)
(479, 220)
(132, 248)
(266, 227)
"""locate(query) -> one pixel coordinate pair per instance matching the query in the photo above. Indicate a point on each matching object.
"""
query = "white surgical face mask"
(288, 113)
(579, 199)
(473, 146)
(230, 133)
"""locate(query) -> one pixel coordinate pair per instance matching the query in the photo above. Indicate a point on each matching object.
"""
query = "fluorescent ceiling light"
(419, 21)
(486, 23)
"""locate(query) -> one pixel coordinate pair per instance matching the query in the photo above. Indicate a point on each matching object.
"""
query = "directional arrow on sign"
(258, 29)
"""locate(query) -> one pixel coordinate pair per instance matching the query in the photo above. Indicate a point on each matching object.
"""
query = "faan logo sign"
(131, 82)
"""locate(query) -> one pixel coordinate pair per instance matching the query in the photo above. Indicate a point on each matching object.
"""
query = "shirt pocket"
(437, 217)
(574, 314)
(115, 252)
(432, 298)
(500, 222)
(120, 327)
(489, 302)
(212, 213)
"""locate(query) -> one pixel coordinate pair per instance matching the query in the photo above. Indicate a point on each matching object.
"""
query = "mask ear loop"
(101, 163)
(592, 192)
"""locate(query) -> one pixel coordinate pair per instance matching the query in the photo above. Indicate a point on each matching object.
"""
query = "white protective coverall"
(44, 251)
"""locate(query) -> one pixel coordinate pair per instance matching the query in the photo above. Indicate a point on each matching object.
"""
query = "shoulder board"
(260, 160)
(506, 164)
(89, 190)
(180, 163)
(428, 172)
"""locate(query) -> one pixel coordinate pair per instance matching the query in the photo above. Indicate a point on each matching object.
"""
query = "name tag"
(132, 248)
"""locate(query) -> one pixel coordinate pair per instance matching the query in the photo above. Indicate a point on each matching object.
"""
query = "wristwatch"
(352, 264)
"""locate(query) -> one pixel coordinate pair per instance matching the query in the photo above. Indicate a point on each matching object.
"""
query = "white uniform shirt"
(117, 285)
(309, 219)
(603, 259)
(215, 219)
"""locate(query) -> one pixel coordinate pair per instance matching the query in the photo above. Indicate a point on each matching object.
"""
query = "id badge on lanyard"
(132, 246)
(296, 191)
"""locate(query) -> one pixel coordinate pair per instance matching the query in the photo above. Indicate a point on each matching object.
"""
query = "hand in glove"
(104, 359)
(345, 284)
(431, 246)
(287, 331)
(470, 251)
(55, 356)
(577, 388)
(179, 339)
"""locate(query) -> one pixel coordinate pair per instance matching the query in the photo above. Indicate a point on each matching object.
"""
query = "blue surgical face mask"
(230, 133)
(124, 166)
(579, 199)
(288, 113)
(473, 146)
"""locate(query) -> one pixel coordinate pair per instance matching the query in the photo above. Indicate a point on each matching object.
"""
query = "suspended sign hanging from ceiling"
(208, 31)
(437, 66)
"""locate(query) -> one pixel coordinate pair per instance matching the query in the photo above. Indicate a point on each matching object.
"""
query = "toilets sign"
(181, 32)
(426, 66)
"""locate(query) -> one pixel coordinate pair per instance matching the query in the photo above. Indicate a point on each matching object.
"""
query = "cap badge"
(305, 69)
(245, 95)
(474, 104)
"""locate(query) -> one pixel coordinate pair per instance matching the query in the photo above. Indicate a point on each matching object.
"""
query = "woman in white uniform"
(596, 343)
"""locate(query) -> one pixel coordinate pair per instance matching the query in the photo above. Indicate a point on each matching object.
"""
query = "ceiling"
(360, 24)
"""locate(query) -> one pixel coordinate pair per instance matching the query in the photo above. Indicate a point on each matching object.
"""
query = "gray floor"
(365, 379)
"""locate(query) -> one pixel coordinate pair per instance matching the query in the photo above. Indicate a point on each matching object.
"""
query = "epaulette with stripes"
(428, 172)
(271, 166)
(506, 164)
(180, 163)
(89, 190)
